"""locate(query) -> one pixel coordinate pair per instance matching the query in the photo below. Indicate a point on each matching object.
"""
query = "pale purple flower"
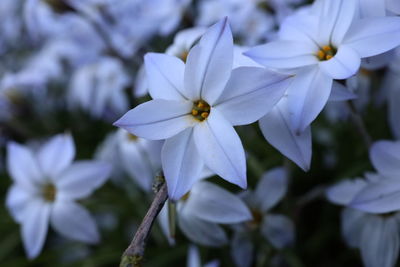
(321, 44)
(196, 105)
(46, 186)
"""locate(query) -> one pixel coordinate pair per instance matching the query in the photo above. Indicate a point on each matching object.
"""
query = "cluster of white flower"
(209, 66)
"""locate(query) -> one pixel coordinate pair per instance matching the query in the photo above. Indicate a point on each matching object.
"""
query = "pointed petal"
(385, 156)
(158, 119)
(73, 221)
(275, 127)
(300, 27)
(136, 163)
(307, 96)
(201, 232)
(181, 163)
(22, 165)
(380, 242)
(278, 229)
(343, 192)
(215, 204)
(242, 249)
(193, 258)
(378, 197)
(244, 102)
(352, 225)
(164, 76)
(221, 149)
(344, 64)
(209, 63)
(34, 227)
(341, 93)
(163, 220)
(17, 201)
(284, 54)
(336, 18)
(82, 178)
(56, 155)
(373, 36)
(271, 188)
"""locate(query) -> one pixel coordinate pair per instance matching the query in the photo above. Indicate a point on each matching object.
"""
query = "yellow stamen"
(195, 112)
(49, 192)
(326, 48)
(328, 57)
(204, 115)
(321, 54)
(200, 104)
(184, 55)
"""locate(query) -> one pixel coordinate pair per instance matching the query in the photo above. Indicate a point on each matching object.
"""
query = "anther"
(195, 112)
(204, 115)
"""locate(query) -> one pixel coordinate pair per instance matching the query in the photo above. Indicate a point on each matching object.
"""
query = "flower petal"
(378, 197)
(212, 203)
(181, 163)
(341, 93)
(56, 155)
(300, 27)
(343, 192)
(385, 156)
(275, 127)
(34, 227)
(373, 36)
(380, 242)
(158, 119)
(242, 249)
(193, 258)
(344, 64)
(278, 229)
(73, 221)
(243, 102)
(209, 63)
(204, 233)
(336, 18)
(164, 76)
(307, 96)
(271, 188)
(22, 165)
(284, 54)
(221, 149)
(352, 225)
(17, 201)
(82, 178)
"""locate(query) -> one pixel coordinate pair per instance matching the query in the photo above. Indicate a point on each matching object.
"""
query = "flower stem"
(133, 255)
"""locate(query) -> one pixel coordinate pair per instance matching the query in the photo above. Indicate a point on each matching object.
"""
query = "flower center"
(185, 196)
(49, 192)
(326, 52)
(132, 138)
(257, 219)
(201, 110)
(184, 55)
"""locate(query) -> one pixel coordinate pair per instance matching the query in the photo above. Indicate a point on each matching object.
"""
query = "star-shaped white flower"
(321, 44)
(46, 185)
(196, 105)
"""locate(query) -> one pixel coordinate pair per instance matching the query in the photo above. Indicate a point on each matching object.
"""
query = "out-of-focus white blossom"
(46, 186)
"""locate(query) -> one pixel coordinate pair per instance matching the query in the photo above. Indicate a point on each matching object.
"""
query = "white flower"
(196, 105)
(376, 235)
(276, 228)
(323, 44)
(99, 88)
(201, 210)
(46, 185)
